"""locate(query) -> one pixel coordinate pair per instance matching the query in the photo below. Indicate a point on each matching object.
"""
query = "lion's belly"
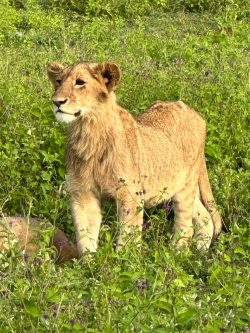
(164, 188)
(152, 187)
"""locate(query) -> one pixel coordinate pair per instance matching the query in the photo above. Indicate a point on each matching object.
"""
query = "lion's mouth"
(76, 114)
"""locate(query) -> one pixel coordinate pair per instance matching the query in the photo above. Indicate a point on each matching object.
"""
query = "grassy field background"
(195, 51)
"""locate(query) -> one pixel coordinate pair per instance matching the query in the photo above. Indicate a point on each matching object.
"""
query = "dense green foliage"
(201, 58)
(133, 8)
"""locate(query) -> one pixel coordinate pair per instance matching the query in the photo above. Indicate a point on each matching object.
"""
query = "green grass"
(202, 59)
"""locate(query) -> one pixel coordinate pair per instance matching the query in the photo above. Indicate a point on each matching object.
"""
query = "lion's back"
(159, 114)
(171, 131)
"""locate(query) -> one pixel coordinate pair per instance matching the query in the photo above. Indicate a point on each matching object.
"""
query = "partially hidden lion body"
(138, 161)
(29, 232)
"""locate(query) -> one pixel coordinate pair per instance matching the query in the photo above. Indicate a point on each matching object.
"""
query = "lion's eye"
(58, 81)
(80, 82)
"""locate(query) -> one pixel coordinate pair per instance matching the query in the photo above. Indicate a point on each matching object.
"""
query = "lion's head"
(81, 87)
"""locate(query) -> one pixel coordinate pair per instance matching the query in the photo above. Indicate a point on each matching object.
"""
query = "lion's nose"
(59, 102)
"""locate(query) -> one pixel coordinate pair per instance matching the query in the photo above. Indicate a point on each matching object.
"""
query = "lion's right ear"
(53, 70)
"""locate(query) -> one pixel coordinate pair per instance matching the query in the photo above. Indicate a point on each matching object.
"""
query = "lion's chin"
(64, 117)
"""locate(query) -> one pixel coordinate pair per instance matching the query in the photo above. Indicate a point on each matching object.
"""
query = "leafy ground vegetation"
(194, 50)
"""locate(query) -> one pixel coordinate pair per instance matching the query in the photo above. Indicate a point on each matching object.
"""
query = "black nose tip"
(58, 103)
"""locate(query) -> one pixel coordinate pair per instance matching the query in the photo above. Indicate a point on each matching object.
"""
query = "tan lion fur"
(138, 161)
(28, 233)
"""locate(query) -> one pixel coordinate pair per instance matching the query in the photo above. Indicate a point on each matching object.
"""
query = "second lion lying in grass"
(28, 233)
(138, 161)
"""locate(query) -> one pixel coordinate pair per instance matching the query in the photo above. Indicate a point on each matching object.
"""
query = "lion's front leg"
(130, 217)
(87, 219)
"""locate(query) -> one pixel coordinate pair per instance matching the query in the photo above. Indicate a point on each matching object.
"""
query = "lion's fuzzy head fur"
(82, 88)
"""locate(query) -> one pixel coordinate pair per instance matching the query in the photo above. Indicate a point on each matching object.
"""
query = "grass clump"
(199, 58)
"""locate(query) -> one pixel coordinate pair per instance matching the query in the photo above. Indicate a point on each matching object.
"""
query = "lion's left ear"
(53, 70)
(111, 74)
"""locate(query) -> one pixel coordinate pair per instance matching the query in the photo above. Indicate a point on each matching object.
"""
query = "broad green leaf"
(32, 308)
(186, 317)
(53, 295)
(179, 283)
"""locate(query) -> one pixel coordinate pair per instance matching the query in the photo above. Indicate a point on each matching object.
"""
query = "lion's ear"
(111, 74)
(53, 70)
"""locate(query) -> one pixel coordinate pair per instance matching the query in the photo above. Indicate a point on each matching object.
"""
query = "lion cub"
(138, 161)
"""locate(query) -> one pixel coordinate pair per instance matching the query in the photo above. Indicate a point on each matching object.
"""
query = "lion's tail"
(208, 199)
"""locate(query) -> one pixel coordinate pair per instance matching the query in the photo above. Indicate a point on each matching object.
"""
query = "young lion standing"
(137, 161)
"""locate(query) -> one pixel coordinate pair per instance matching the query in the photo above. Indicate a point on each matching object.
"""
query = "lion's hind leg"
(203, 225)
(183, 209)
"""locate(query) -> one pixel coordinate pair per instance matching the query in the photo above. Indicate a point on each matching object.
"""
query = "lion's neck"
(93, 141)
